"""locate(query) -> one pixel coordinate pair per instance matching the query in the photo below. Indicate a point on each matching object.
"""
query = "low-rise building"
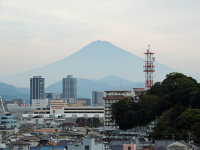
(129, 146)
(38, 119)
(72, 112)
(40, 103)
(86, 100)
(7, 121)
(18, 145)
(15, 102)
(87, 144)
(57, 106)
(137, 93)
(169, 144)
(48, 147)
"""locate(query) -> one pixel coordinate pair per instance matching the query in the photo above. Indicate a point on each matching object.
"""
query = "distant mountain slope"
(9, 92)
(116, 81)
(94, 61)
(85, 86)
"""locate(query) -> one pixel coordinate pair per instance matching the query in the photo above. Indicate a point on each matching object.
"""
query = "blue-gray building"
(97, 98)
(87, 101)
(37, 86)
(7, 122)
(69, 89)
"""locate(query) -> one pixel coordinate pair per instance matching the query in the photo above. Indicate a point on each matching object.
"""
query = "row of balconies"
(110, 101)
(81, 112)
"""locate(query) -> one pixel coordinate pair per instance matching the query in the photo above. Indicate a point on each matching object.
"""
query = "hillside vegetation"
(175, 103)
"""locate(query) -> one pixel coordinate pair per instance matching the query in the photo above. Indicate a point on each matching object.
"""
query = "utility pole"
(189, 136)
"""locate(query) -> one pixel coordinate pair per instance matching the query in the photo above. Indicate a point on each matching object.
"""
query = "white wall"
(40, 103)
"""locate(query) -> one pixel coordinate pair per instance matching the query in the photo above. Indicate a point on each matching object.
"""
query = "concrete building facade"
(86, 100)
(7, 121)
(57, 106)
(137, 93)
(69, 89)
(37, 86)
(110, 98)
(18, 145)
(40, 103)
(97, 98)
(72, 112)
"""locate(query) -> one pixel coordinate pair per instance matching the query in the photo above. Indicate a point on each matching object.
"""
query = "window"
(87, 147)
(129, 148)
(3, 117)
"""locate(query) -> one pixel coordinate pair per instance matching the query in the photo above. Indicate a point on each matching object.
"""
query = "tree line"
(174, 103)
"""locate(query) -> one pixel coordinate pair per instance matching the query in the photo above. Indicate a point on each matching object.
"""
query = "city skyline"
(99, 74)
(50, 31)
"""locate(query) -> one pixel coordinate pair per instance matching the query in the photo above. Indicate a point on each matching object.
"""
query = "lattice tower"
(149, 68)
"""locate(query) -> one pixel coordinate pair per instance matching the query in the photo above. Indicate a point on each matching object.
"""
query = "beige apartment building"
(110, 98)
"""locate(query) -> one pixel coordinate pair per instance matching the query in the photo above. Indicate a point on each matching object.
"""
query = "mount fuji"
(94, 61)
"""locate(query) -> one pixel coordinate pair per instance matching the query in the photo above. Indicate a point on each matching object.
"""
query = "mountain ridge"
(94, 61)
(84, 88)
(9, 92)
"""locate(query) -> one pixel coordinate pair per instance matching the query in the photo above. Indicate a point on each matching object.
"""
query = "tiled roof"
(19, 143)
(51, 143)
(30, 138)
(46, 130)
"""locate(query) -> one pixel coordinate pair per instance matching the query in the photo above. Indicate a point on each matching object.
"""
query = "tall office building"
(36, 88)
(97, 98)
(70, 89)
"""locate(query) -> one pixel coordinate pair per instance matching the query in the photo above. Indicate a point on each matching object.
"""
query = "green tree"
(179, 87)
(81, 122)
(189, 121)
(163, 129)
(172, 102)
(123, 113)
(195, 100)
(150, 107)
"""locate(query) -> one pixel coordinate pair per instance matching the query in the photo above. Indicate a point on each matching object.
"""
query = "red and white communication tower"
(149, 68)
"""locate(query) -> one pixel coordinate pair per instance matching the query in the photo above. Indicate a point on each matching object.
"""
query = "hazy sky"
(34, 33)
